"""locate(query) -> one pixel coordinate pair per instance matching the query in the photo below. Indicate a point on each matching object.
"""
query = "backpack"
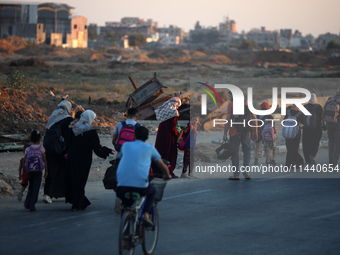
(226, 150)
(54, 142)
(289, 131)
(311, 119)
(34, 162)
(110, 177)
(331, 111)
(126, 134)
(268, 134)
(240, 119)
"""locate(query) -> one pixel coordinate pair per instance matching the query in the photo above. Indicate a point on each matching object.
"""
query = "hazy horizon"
(309, 17)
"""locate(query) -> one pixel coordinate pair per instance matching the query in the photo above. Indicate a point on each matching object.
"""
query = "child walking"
(190, 134)
(23, 175)
(269, 139)
(35, 163)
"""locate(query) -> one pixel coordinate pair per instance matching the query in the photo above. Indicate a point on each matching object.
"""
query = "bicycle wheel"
(150, 234)
(125, 242)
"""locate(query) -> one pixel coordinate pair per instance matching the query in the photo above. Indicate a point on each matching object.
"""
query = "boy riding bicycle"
(133, 170)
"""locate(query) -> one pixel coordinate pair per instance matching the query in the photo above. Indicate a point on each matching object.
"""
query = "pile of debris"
(21, 112)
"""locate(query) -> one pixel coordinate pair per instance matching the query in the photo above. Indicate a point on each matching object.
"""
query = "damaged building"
(45, 23)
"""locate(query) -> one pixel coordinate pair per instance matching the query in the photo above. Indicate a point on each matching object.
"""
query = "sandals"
(233, 178)
(147, 222)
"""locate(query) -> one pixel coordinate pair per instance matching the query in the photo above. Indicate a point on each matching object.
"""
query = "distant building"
(227, 30)
(79, 32)
(48, 23)
(324, 39)
(112, 24)
(21, 20)
(130, 22)
(173, 34)
(286, 38)
(263, 37)
(308, 41)
(131, 25)
(201, 32)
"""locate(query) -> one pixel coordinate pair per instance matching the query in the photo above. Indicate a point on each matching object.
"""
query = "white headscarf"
(61, 112)
(313, 99)
(85, 123)
(168, 110)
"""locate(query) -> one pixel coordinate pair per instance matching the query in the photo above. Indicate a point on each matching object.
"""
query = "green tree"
(113, 36)
(333, 45)
(137, 40)
(197, 37)
(245, 44)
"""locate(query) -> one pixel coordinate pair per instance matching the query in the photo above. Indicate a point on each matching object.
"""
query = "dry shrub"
(198, 54)
(221, 59)
(13, 44)
(96, 56)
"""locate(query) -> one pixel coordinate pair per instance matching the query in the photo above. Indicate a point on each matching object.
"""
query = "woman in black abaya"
(82, 144)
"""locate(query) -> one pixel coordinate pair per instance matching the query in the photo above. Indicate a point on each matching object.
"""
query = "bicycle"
(132, 229)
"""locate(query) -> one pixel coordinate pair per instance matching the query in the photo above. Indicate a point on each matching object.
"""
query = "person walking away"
(54, 143)
(83, 142)
(23, 175)
(167, 134)
(35, 163)
(240, 135)
(133, 170)
(293, 158)
(124, 131)
(312, 130)
(269, 132)
(331, 121)
(264, 106)
(190, 134)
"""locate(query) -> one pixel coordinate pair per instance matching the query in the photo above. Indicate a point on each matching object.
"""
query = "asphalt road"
(202, 216)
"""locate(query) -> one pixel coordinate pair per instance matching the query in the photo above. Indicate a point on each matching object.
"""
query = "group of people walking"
(69, 143)
(307, 127)
(66, 154)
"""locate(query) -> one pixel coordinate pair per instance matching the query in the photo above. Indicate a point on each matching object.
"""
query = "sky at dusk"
(308, 16)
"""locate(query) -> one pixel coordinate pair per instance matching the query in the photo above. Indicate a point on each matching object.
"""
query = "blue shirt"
(134, 166)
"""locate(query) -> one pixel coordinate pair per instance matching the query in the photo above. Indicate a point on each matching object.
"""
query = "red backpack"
(126, 134)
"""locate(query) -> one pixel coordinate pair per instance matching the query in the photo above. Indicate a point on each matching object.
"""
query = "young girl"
(269, 132)
(23, 175)
(189, 148)
(35, 162)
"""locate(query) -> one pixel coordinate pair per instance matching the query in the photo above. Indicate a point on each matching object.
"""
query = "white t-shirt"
(134, 166)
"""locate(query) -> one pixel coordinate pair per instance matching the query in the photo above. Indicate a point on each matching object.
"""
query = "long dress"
(79, 162)
(166, 141)
(311, 137)
(55, 180)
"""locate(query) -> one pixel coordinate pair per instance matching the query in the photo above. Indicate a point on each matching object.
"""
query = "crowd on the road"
(297, 125)
(69, 142)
